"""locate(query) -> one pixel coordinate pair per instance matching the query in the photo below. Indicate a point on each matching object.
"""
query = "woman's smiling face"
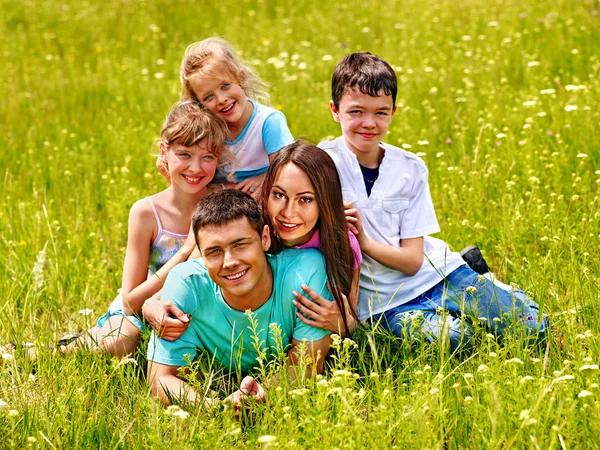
(292, 206)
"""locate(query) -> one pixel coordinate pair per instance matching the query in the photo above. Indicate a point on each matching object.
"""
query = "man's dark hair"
(365, 71)
(222, 207)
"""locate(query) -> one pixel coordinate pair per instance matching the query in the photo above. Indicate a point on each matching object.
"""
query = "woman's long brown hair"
(333, 231)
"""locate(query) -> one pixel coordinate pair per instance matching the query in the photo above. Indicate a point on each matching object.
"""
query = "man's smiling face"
(234, 255)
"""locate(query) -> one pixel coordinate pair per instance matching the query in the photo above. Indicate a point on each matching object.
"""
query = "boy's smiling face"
(364, 120)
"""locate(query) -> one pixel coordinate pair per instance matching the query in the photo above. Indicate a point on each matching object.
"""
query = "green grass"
(483, 90)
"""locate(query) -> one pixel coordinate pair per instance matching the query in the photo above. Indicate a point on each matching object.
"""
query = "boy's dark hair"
(365, 71)
(222, 207)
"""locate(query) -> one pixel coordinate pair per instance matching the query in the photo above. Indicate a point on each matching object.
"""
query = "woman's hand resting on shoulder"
(323, 313)
(159, 314)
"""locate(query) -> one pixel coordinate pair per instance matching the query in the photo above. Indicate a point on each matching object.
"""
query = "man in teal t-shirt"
(234, 282)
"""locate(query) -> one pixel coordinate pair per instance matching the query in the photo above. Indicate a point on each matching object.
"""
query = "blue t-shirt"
(227, 333)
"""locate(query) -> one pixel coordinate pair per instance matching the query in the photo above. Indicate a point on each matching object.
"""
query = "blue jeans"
(441, 311)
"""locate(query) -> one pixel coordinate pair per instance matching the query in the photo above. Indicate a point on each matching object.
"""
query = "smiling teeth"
(289, 225)
(236, 276)
(228, 108)
(190, 179)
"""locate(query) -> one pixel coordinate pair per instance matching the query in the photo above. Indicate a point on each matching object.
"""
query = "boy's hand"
(251, 185)
(158, 314)
(354, 223)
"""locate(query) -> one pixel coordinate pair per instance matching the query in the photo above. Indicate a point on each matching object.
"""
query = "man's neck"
(254, 299)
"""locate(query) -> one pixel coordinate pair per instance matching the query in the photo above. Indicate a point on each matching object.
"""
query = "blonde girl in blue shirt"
(214, 75)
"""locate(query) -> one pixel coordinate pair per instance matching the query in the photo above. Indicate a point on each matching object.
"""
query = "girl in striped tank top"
(190, 149)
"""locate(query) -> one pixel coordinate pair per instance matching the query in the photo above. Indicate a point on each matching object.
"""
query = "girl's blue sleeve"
(275, 132)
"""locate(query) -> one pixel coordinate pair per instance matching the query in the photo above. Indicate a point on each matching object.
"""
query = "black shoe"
(67, 339)
(472, 255)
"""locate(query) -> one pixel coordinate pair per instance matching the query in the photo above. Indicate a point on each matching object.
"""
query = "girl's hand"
(251, 185)
(323, 313)
(158, 314)
(354, 223)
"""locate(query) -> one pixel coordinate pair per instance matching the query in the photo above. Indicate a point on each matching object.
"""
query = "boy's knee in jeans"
(425, 326)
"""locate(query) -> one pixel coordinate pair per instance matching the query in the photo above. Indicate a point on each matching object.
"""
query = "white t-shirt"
(265, 133)
(399, 207)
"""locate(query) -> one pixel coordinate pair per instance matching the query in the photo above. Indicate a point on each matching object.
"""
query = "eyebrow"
(359, 106)
(297, 193)
(235, 241)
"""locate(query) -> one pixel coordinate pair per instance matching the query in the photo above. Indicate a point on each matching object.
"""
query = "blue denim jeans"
(449, 308)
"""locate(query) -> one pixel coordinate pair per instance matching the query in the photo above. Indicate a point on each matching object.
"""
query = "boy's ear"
(394, 110)
(334, 111)
(266, 238)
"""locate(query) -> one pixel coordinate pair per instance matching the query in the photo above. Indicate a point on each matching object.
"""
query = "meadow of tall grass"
(499, 97)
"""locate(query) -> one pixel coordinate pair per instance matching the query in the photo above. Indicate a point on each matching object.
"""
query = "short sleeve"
(183, 350)
(275, 132)
(311, 271)
(419, 219)
(356, 252)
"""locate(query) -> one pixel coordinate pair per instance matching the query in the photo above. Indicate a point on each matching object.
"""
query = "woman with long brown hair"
(303, 206)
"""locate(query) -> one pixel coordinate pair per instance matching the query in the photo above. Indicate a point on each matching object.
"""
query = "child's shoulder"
(398, 154)
(145, 210)
(337, 147)
(269, 113)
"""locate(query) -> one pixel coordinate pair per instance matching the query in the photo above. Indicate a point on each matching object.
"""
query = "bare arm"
(166, 385)
(136, 288)
(314, 356)
(408, 258)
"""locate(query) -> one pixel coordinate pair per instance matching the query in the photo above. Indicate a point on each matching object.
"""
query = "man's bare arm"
(314, 355)
(166, 385)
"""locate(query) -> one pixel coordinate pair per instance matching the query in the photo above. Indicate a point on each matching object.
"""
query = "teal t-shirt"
(227, 333)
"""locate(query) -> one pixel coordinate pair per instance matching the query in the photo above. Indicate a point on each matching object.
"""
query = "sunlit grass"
(500, 98)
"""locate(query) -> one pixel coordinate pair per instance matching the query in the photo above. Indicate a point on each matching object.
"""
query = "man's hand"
(158, 313)
(250, 391)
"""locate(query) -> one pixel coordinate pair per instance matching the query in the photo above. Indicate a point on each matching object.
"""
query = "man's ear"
(266, 238)
(394, 110)
(334, 111)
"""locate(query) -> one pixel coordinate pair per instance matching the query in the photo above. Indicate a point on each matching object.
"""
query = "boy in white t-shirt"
(410, 282)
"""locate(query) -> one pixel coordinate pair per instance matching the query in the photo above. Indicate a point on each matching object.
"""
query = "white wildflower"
(266, 439)
(38, 269)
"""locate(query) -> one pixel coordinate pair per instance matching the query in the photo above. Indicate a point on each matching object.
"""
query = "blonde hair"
(188, 124)
(205, 58)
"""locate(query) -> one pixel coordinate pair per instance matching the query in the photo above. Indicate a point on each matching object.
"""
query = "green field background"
(500, 99)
